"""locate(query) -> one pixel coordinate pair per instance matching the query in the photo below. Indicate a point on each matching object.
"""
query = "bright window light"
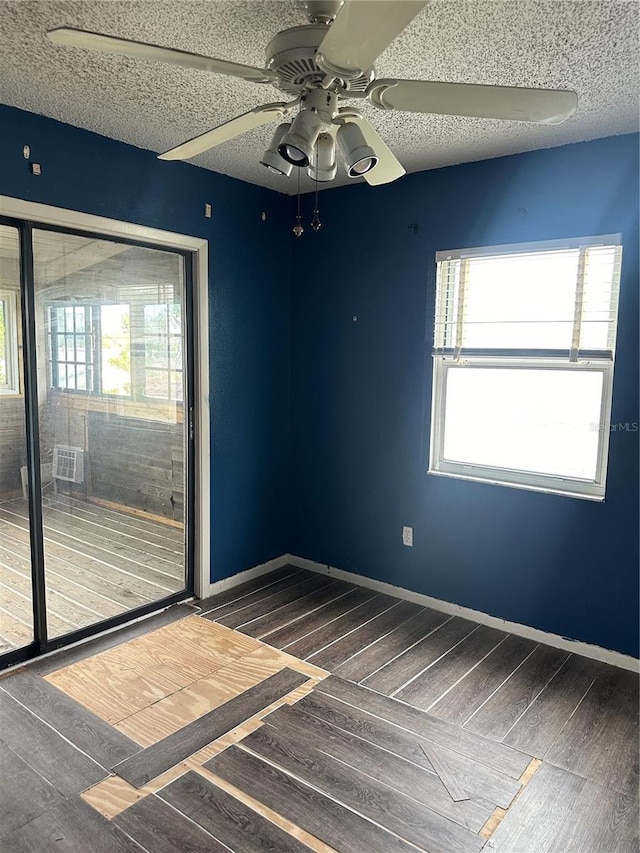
(115, 349)
(535, 420)
(523, 364)
(9, 374)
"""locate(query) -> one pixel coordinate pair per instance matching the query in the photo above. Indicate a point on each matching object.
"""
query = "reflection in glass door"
(16, 600)
(110, 331)
(96, 485)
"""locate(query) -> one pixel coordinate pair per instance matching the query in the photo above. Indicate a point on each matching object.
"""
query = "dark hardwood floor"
(579, 716)
(554, 705)
(431, 734)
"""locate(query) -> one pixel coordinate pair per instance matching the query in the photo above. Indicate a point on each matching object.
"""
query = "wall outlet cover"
(407, 536)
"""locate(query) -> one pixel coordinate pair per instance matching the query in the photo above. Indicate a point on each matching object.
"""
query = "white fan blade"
(547, 106)
(362, 30)
(228, 130)
(388, 167)
(139, 50)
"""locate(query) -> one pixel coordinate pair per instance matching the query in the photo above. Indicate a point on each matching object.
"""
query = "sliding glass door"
(16, 588)
(105, 434)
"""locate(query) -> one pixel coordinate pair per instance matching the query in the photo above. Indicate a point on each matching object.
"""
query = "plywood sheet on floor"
(121, 681)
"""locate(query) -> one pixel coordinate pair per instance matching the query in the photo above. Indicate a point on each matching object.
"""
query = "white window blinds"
(555, 300)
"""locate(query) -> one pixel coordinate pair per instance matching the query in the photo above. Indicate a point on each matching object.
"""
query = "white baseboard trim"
(558, 642)
(247, 575)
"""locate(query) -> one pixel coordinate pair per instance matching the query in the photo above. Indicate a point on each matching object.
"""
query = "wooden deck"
(99, 563)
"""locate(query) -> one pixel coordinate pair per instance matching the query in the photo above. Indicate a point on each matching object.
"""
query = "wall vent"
(68, 463)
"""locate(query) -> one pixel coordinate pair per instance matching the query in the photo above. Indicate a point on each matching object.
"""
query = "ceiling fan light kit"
(271, 159)
(297, 146)
(323, 166)
(359, 158)
(325, 64)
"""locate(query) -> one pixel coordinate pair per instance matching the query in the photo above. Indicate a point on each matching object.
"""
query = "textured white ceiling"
(591, 47)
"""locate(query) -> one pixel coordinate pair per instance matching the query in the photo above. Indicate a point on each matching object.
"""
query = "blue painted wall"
(249, 306)
(362, 391)
(339, 487)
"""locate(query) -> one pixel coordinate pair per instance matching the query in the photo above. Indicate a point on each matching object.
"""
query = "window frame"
(144, 369)
(53, 335)
(93, 334)
(12, 348)
(516, 478)
(445, 360)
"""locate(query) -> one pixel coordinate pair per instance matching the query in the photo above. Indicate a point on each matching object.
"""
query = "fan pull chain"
(297, 228)
(315, 222)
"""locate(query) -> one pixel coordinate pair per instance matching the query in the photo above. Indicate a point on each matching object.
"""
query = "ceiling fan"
(324, 64)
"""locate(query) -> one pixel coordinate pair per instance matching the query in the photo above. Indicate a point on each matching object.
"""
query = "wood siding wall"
(12, 445)
(137, 463)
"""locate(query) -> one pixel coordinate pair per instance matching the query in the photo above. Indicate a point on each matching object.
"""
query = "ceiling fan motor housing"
(291, 54)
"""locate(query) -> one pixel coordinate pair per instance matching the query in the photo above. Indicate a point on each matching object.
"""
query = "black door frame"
(42, 644)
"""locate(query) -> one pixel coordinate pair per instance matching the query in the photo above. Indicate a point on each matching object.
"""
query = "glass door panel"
(16, 604)
(111, 323)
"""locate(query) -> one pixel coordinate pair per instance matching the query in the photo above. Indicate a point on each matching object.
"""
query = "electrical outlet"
(207, 210)
(407, 536)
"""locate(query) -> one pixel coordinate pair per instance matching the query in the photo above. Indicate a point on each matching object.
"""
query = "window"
(162, 331)
(115, 350)
(9, 371)
(71, 347)
(523, 358)
(123, 350)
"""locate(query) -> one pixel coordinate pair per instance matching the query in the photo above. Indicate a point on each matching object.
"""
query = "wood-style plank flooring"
(577, 714)
(348, 746)
(99, 563)
(548, 703)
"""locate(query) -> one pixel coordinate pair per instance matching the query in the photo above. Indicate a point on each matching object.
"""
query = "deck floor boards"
(99, 563)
